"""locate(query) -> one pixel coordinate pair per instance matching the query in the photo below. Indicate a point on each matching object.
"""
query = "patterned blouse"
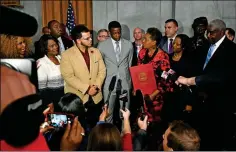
(159, 60)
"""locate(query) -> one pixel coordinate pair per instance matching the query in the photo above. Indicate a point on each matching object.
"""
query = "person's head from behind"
(48, 45)
(199, 26)
(70, 103)
(181, 137)
(46, 30)
(152, 38)
(171, 28)
(82, 36)
(103, 34)
(181, 43)
(14, 46)
(138, 34)
(215, 30)
(104, 137)
(230, 34)
(114, 28)
(55, 28)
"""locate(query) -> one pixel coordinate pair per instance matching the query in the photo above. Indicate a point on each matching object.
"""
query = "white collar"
(172, 37)
(217, 44)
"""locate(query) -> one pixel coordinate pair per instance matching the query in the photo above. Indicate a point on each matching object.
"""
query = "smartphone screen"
(59, 120)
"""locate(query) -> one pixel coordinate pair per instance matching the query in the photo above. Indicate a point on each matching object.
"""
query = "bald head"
(138, 34)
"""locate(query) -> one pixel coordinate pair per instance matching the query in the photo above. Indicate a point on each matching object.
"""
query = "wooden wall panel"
(57, 9)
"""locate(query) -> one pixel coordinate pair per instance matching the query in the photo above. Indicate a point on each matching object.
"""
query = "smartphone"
(59, 120)
(26, 66)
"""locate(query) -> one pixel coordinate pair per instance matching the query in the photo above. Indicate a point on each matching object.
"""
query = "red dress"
(159, 60)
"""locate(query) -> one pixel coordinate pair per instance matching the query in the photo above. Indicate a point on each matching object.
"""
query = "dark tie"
(171, 46)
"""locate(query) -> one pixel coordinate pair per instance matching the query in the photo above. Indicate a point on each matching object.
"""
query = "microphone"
(139, 96)
(124, 98)
(171, 75)
(111, 88)
(16, 23)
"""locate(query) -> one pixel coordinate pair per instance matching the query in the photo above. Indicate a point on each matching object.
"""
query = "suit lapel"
(80, 59)
(217, 51)
(122, 50)
(92, 59)
(111, 51)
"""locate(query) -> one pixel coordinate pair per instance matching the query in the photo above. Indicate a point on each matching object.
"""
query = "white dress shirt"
(217, 44)
(61, 45)
(114, 44)
(172, 41)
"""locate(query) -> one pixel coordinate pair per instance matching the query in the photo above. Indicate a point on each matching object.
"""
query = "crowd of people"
(193, 110)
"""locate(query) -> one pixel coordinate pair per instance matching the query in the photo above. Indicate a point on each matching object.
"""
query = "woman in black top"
(180, 101)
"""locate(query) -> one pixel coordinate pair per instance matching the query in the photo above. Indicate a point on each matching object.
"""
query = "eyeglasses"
(87, 39)
(103, 36)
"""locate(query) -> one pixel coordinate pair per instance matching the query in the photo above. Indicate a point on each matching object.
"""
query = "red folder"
(143, 78)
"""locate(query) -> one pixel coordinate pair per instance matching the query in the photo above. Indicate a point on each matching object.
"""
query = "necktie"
(209, 54)
(171, 46)
(117, 51)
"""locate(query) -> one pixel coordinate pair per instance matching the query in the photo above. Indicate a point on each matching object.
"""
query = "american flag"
(70, 23)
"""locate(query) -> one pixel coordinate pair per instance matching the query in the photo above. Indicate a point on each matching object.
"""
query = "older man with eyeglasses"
(103, 35)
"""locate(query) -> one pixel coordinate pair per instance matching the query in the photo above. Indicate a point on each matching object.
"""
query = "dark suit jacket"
(164, 44)
(216, 81)
(67, 42)
(135, 58)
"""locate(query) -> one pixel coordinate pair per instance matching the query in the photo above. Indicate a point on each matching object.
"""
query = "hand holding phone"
(59, 120)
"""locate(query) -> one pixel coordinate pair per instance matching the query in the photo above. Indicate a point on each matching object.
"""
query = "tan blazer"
(77, 76)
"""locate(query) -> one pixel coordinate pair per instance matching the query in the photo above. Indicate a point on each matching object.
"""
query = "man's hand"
(143, 124)
(185, 81)
(14, 85)
(92, 90)
(125, 113)
(73, 136)
(104, 113)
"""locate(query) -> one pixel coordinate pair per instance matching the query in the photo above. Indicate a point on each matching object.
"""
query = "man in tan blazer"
(84, 71)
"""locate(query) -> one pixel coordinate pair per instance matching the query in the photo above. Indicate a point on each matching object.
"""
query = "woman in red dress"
(151, 54)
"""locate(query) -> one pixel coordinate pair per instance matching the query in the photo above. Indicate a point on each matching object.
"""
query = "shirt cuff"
(197, 80)
(100, 122)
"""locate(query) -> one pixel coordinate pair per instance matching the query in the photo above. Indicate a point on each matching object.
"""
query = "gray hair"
(218, 24)
(102, 30)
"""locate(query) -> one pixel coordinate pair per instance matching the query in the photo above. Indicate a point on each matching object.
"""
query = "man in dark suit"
(137, 44)
(217, 77)
(171, 28)
(56, 31)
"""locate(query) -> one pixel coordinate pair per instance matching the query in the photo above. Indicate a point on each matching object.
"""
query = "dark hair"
(42, 46)
(200, 20)
(172, 20)
(183, 137)
(77, 31)
(72, 104)
(44, 28)
(104, 137)
(231, 31)
(113, 24)
(155, 34)
(50, 23)
(184, 41)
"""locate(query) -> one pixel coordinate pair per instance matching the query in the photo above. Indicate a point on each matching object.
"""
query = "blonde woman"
(14, 46)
